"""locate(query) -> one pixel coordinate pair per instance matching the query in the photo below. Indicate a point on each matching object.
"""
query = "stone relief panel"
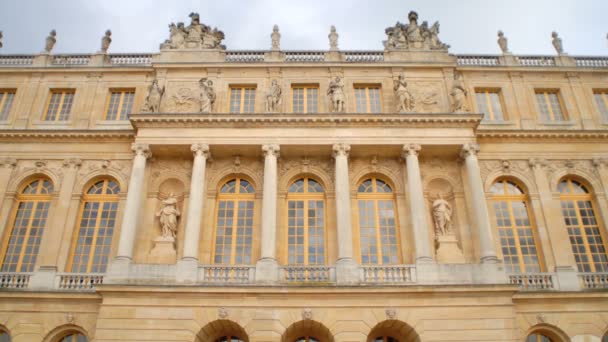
(219, 169)
(427, 97)
(390, 168)
(181, 97)
(119, 169)
(518, 169)
(27, 168)
(323, 169)
(556, 169)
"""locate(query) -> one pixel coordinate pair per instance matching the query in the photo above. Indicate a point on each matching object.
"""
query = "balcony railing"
(591, 62)
(307, 274)
(13, 280)
(130, 59)
(363, 56)
(534, 281)
(395, 274)
(304, 56)
(244, 56)
(219, 274)
(71, 60)
(16, 60)
(478, 60)
(594, 280)
(79, 281)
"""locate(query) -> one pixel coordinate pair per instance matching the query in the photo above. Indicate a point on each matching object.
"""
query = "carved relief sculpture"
(50, 41)
(442, 216)
(275, 37)
(405, 100)
(274, 97)
(333, 39)
(196, 35)
(168, 215)
(557, 43)
(155, 94)
(413, 36)
(336, 95)
(503, 43)
(106, 40)
(208, 95)
(459, 95)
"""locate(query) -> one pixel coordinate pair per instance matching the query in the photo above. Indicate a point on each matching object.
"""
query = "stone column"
(267, 267)
(195, 203)
(134, 202)
(601, 167)
(347, 271)
(480, 207)
(7, 165)
(417, 207)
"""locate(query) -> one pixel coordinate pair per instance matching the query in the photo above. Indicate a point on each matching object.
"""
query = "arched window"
(583, 228)
(28, 222)
(306, 339)
(538, 338)
(4, 336)
(515, 228)
(385, 339)
(93, 240)
(234, 223)
(228, 339)
(306, 223)
(76, 337)
(378, 237)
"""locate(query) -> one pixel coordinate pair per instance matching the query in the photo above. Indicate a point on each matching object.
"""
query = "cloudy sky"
(469, 26)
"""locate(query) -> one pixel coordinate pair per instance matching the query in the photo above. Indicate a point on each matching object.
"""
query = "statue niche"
(194, 36)
(441, 198)
(167, 219)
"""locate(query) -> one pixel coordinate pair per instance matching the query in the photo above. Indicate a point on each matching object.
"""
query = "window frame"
(241, 88)
(603, 113)
(491, 90)
(367, 87)
(306, 87)
(57, 114)
(3, 100)
(123, 92)
(551, 119)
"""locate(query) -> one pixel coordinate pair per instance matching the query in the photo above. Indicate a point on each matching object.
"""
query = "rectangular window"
(242, 99)
(601, 100)
(367, 98)
(7, 96)
(550, 105)
(305, 98)
(489, 102)
(120, 104)
(60, 105)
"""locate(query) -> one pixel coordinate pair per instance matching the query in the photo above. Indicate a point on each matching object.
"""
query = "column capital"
(271, 150)
(141, 150)
(600, 163)
(8, 163)
(537, 162)
(341, 150)
(410, 149)
(200, 150)
(469, 149)
(72, 163)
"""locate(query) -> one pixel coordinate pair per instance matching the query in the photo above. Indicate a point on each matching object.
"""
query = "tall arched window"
(385, 339)
(378, 236)
(306, 339)
(28, 222)
(234, 223)
(228, 339)
(538, 338)
(583, 228)
(306, 223)
(93, 240)
(515, 228)
(4, 336)
(74, 338)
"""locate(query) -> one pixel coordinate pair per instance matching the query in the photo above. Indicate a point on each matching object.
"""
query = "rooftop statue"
(1, 36)
(333, 39)
(503, 43)
(106, 40)
(194, 36)
(50, 41)
(413, 36)
(557, 43)
(275, 38)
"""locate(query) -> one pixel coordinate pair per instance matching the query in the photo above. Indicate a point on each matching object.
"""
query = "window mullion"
(305, 219)
(489, 104)
(584, 235)
(234, 229)
(515, 230)
(121, 98)
(378, 233)
(60, 107)
(95, 234)
(28, 231)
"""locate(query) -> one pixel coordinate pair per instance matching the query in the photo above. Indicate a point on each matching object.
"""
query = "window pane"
(60, 105)
(6, 103)
(549, 105)
(601, 100)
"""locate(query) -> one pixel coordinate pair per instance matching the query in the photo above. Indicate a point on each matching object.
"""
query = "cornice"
(197, 120)
(600, 135)
(66, 134)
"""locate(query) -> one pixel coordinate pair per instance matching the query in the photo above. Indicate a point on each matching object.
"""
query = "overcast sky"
(469, 26)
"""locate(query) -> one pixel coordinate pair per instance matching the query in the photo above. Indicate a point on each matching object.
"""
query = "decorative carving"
(333, 39)
(541, 318)
(503, 43)
(168, 215)
(443, 169)
(196, 35)
(391, 313)
(74, 163)
(222, 313)
(557, 43)
(8, 163)
(411, 149)
(307, 314)
(181, 100)
(341, 150)
(141, 149)
(405, 100)
(106, 40)
(275, 38)
(154, 97)
(69, 318)
(413, 36)
(505, 164)
(208, 95)
(200, 149)
(426, 95)
(469, 149)
(40, 164)
(459, 95)
(274, 98)
(442, 216)
(271, 150)
(336, 95)
(50, 41)
(537, 162)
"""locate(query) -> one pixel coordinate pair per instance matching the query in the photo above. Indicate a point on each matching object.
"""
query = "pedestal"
(266, 271)
(163, 251)
(448, 251)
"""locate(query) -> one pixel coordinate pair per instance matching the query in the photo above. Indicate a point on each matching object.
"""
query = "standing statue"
(503, 43)
(333, 39)
(196, 35)
(195, 29)
(557, 43)
(274, 97)
(405, 100)
(168, 215)
(106, 40)
(275, 37)
(442, 216)
(208, 95)
(459, 95)
(1, 36)
(155, 94)
(413, 31)
(177, 38)
(336, 95)
(50, 41)
(412, 36)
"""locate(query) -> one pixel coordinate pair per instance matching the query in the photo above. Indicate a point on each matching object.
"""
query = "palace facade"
(203, 194)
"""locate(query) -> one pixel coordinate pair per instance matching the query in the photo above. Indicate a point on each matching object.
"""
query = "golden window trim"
(4, 92)
(546, 92)
(241, 89)
(486, 91)
(306, 87)
(57, 114)
(367, 87)
(123, 92)
(603, 93)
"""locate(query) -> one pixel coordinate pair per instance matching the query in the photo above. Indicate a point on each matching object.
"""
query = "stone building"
(203, 194)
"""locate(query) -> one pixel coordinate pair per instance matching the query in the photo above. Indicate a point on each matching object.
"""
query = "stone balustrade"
(363, 56)
(307, 274)
(226, 274)
(591, 62)
(304, 56)
(14, 280)
(78, 281)
(130, 59)
(594, 280)
(478, 60)
(390, 274)
(244, 56)
(16, 60)
(536, 61)
(71, 60)
(534, 281)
